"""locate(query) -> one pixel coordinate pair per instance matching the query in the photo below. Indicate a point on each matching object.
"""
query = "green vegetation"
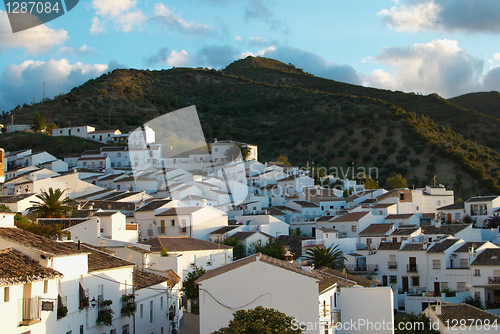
(239, 251)
(291, 113)
(396, 182)
(260, 320)
(416, 327)
(330, 257)
(51, 205)
(270, 248)
(191, 288)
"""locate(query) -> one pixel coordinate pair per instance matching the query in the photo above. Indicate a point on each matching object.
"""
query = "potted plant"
(106, 303)
(128, 305)
(84, 303)
(105, 317)
(61, 312)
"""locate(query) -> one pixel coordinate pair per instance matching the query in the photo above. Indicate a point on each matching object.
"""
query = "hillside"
(267, 103)
(485, 102)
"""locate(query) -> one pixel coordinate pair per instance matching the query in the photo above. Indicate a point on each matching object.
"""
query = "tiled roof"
(179, 211)
(399, 216)
(413, 247)
(431, 215)
(133, 179)
(488, 257)
(383, 205)
(64, 223)
(144, 279)
(324, 218)
(224, 229)
(380, 229)
(306, 204)
(14, 198)
(442, 246)
(351, 217)
(389, 246)
(359, 280)
(105, 213)
(402, 230)
(274, 211)
(153, 205)
(285, 208)
(328, 280)
(110, 177)
(454, 206)
(112, 194)
(328, 229)
(481, 199)
(290, 178)
(122, 196)
(35, 241)
(17, 268)
(99, 259)
(253, 258)
(114, 149)
(448, 229)
(84, 197)
(109, 205)
(465, 247)
(465, 314)
(182, 244)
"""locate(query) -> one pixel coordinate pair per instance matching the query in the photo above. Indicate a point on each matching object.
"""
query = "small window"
(401, 197)
(461, 286)
(151, 311)
(141, 311)
(477, 272)
(161, 303)
(354, 228)
(81, 329)
(436, 264)
(77, 130)
(415, 281)
(439, 203)
(45, 286)
(393, 279)
(125, 329)
(172, 222)
(193, 260)
(6, 294)
(119, 155)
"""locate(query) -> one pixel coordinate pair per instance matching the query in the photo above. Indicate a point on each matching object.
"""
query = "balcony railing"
(313, 242)
(493, 280)
(392, 265)
(342, 234)
(411, 268)
(366, 267)
(30, 308)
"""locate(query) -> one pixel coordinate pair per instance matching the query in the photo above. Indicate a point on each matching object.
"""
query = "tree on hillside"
(396, 182)
(38, 123)
(237, 150)
(330, 257)
(284, 160)
(239, 251)
(261, 320)
(51, 205)
(191, 288)
(270, 248)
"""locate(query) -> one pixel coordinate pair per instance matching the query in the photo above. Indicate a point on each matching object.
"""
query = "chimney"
(438, 222)
(438, 307)
(288, 254)
(33, 177)
(79, 243)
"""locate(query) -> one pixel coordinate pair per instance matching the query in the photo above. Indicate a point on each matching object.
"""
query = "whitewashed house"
(481, 208)
(76, 131)
(103, 136)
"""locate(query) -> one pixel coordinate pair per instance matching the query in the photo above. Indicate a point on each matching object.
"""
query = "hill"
(485, 102)
(309, 119)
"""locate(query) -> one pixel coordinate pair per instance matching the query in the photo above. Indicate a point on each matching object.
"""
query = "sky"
(448, 47)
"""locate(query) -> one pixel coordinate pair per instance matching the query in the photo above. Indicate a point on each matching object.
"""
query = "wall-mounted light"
(93, 302)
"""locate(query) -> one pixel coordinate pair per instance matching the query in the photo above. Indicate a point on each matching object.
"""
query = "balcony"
(313, 243)
(30, 308)
(411, 268)
(493, 280)
(342, 234)
(362, 268)
(392, 265)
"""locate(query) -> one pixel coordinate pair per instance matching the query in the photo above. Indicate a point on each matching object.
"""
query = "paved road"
(191, 324)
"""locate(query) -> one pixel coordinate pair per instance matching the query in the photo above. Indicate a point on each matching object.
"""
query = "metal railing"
(411, 268)
(150, 232)
(392, 265)
(493, 280)
(366, 267)
(342, 234)
(313, 242)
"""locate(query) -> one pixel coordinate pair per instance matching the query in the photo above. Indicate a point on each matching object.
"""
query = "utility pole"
(43, 92)
(11, 119)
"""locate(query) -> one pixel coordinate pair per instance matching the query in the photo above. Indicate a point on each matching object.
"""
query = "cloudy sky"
(449, 47)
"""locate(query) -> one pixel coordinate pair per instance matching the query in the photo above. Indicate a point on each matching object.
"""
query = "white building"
(77, 131)
(18, 128)
(481, 208)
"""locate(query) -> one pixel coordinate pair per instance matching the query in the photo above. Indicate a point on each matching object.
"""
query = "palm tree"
(51, 205)
(330, 257)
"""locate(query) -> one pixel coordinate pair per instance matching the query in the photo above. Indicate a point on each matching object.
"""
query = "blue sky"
(449, 47)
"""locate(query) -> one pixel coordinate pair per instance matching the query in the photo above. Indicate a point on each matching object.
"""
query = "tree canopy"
(262, 321)
(330, 257)
(39, 122)
(51, 205)
(270, 248)
(396, 182)
(239, 250)
(191, 288)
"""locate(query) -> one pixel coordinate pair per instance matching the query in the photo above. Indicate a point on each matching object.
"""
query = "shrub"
(433, 159)
(374, 149)
(431, 167)
(353, 154)
(401, 157)
(414, 161)
(353, 140)
(387, 141)
(367, 157)
(365, 143)
(390, 149)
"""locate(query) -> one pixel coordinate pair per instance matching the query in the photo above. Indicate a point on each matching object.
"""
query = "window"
(209, 260)
(119, 164)
(172, 222)
(457, 216)
(77, 130)
(101, 163)
(415, 281)
(368, 240)
(117, 187)
(439, 203)
(417, 208)
(161, 330)
(161, 303)
(436, 264)
(401, 197)
(444, 285)
(477, 272)
(100, 293)
(393, 279)
(461, 286)
(81, 329)
(354, 228)
(45, 286)
(119, 155)
(113, 331)
(141, 311)
(151, 311)
(380, 212)
(125, 329)
(6, 294)
(477, 294)
(84, 164)
(193, 260)
(223, 258)
(464, 263)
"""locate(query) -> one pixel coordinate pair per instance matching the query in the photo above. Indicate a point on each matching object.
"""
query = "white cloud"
(238, 39)
(20, 83)
(179, 58)
(82, 51)
(167, 19)
(97, 26)
(475, 16)
(113, 8)
(35, 40)
(497, 56)
(411, 17)
(119, 12)
(436, 67)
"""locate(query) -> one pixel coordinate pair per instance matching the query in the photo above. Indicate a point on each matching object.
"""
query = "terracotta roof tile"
(347, 277)
(17, 268)
(464, 313)
(442, 246)
(380, 229)
(179, 211)
(465, 247)
(351, 217)
(389, 246)
(153, 205)
(448, 229)
(182, 244)
(143, 279)
(488, 257)
(402, 230)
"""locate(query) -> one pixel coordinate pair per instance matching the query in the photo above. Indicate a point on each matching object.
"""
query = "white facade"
(18, 128)
(77, 131)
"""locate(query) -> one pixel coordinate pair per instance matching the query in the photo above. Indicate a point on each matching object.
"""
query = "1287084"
(32, 7)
